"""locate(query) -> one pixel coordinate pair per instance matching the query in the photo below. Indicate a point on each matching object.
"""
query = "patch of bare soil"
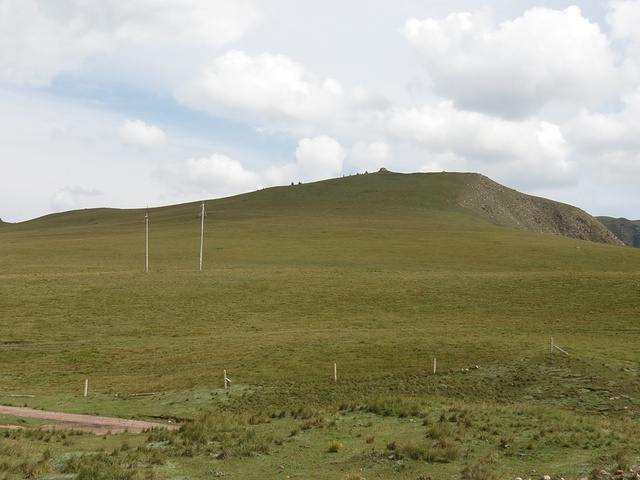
(88, 423)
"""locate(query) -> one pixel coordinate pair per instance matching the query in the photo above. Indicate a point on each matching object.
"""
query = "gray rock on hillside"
(510, 208)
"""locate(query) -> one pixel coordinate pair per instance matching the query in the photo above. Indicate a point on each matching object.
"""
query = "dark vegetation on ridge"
(628, 231)
(378, 274)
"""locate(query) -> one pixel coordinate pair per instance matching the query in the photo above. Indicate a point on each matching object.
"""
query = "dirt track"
(89, 423)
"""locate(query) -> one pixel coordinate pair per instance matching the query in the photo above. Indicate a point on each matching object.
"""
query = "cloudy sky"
(134, 103)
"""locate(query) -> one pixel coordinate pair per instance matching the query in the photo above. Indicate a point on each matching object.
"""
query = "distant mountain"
(628, 231)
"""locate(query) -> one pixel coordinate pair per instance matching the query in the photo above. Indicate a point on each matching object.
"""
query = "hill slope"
(465, 192)
(371, 196)
(628, 231)
(510, 208)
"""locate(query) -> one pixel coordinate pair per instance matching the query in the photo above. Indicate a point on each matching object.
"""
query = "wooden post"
(146, 222)
(86, 386)
(551, 344)
(225, 379)
(434, 366)
(335, 372)
(202, 235)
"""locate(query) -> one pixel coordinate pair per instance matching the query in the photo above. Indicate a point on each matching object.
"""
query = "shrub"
(439, 431)
(621, 458)
(355, 476)
(480, 471)
(449, 454)
(334, 447)
(415, 452)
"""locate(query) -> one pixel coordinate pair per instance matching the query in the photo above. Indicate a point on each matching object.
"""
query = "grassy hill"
(378, 274)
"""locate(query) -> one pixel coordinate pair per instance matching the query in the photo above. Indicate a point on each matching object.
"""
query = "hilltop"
(471, 193)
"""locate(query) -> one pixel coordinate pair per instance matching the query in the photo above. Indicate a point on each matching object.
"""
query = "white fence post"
(86, 386)
(335, 372)
(434, 366)
(226, 380)
(555, 347)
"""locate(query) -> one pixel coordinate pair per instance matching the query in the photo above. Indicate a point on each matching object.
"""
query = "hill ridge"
(372, 195)
(510, 208)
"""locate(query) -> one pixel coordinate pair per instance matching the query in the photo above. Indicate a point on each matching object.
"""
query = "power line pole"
(146, 222)
(202, 215)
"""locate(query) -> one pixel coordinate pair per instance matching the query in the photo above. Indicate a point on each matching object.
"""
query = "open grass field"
(379, 274)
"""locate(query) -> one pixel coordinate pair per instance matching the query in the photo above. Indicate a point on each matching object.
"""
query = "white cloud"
(516, 69)
(212, 22)
(274, 88)
(610, 141)
(282, 174)
(41, 39)
(488, 143)
(34, 46)
(619, 167)
(441, 162)
(70, 198)
(370, 156)
(317, 158)
(137, 133)
(623, 18)
(320, 157)
(217, 175)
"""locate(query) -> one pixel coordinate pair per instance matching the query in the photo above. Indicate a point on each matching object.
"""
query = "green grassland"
(379, 274)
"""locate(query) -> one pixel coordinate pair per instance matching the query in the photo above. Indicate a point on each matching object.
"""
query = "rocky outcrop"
(509, 208)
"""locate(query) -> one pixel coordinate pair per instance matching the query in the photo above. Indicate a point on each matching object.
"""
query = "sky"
(135, 103)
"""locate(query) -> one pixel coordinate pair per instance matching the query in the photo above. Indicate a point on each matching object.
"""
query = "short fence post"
(226, 380)
(335, 372)
(434, 366)
(551, 344)
(86, 386)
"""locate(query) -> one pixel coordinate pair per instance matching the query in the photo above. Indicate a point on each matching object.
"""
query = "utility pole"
(146, 221)
(202, 215)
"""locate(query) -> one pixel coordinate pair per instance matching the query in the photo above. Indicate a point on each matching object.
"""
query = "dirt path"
(89, 423)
